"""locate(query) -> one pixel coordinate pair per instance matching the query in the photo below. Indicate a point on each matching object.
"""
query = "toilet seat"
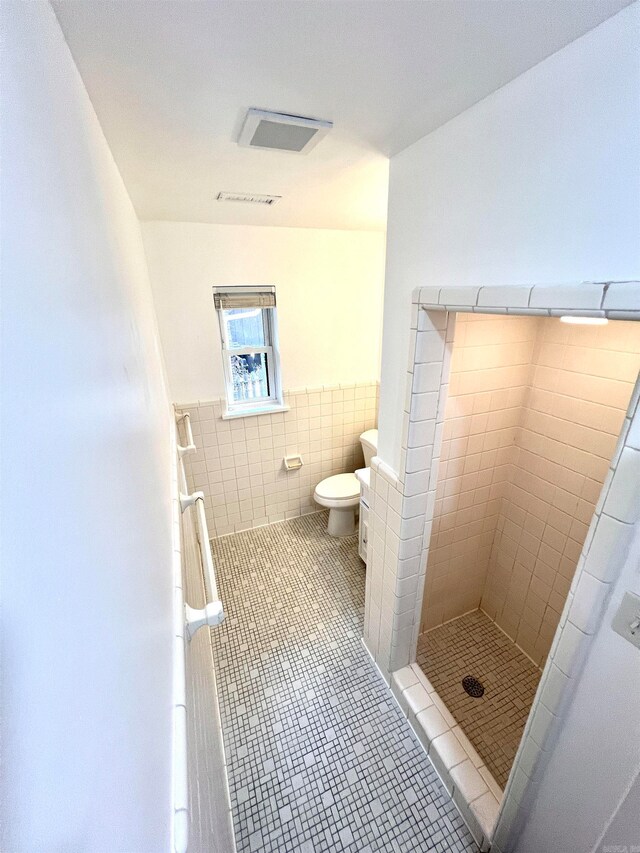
(341, 493)
(341, 490)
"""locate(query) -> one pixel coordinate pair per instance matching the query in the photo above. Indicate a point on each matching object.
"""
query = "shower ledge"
(461, 770)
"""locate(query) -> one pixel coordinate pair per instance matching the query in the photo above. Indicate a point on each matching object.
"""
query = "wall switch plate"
(626, 622)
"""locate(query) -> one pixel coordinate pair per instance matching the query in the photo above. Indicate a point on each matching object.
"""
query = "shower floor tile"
(319, 756)
(474, 645)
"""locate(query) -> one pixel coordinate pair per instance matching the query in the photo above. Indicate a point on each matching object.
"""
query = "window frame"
(263, 405)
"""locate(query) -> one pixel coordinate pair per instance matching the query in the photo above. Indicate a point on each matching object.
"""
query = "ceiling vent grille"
(282, 132)
(251, 198)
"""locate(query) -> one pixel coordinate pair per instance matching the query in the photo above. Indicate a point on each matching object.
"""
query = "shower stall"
(490, 548)
(534, 410)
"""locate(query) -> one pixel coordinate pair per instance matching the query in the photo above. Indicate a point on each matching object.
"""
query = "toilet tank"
(369, 442)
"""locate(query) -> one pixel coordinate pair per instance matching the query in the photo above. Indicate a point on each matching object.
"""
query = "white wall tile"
(567, 296)
(570, 651)
(460, 296)
(588, 602)
(504, 297)
(623, 296)
(416, 505)
(417, 699)
(468, 747)
(424, 406)
(418, 459)
(421, 434)
(610, 543)
(429, 295)
(493, 786)
(415, 484)
(541, 723)
(426, 377)
(244, 482)
(554, 689)
(432, 723)
(449, 750)
(429, 347)
(411, 528)
(468, 781)
(486, 808)
(623, 500)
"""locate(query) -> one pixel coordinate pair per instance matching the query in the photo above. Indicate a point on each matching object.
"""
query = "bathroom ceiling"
(171, 81)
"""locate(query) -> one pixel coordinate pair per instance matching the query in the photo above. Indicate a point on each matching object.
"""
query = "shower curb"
(463, 773)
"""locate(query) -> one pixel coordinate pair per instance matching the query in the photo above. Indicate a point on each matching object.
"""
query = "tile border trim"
(617, 300)
(464, 775)
(286, 395)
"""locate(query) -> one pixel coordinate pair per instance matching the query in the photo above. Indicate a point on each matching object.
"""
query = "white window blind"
(228, 300)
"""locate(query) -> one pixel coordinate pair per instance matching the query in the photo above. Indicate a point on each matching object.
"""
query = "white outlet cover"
(627, 615)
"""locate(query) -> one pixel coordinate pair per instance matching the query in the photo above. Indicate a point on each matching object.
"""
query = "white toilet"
(341, 493)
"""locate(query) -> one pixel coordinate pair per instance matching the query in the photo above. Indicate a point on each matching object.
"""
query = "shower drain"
(472, 686)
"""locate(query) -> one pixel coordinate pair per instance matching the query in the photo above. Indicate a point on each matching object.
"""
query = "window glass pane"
(245, 327)
(249, 377)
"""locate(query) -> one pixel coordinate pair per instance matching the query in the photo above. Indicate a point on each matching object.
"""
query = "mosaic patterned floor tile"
(474, 645)
(319, 756)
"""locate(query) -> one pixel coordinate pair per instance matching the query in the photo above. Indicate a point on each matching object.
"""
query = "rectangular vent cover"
(251, 198)
(282, 132)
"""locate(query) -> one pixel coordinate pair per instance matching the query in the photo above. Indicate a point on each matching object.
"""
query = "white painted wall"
(539, 182)
(329, 291)
(86, 540)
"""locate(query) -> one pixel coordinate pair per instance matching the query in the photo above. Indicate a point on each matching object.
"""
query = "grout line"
(453, 619)
(511, 640)
(269, 524)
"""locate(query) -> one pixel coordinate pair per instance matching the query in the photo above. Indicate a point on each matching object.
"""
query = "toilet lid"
(339, 487)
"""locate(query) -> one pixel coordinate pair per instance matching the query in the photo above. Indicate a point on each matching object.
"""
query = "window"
(250, 357)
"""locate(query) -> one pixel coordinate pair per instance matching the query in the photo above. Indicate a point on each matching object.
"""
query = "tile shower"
(534, 410)
(519, 444)
(495, 721)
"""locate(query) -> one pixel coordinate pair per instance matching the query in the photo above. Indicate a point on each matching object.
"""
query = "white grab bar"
(187, 621)
(213, 611)
(190, 446)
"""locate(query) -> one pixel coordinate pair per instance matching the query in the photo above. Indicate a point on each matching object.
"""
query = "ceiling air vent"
(252, 198)
(296, 134)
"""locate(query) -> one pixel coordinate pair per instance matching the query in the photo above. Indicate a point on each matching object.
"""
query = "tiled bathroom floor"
(319, 756)
(474, 645)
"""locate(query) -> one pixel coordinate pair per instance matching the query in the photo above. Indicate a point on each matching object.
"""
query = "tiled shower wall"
(534, 410)
(239, 464)
(581, 383)
(488, 385)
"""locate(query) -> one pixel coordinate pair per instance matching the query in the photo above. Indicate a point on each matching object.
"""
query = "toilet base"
(342, 522)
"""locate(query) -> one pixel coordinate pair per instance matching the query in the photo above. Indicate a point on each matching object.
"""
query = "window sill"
(250, 413)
